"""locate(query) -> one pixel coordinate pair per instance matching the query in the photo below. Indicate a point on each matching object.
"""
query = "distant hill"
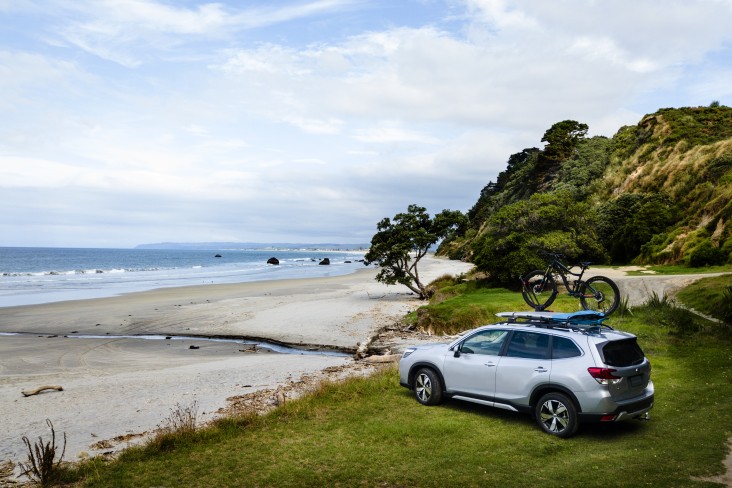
(218, 246)
(657, 192)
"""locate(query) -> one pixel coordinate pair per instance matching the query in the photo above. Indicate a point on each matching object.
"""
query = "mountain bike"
(597, 293)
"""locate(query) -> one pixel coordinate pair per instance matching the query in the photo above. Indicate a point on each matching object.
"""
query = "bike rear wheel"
(600, 294)
(539, 290)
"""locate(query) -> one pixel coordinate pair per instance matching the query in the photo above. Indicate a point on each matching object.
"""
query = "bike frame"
(556, 267)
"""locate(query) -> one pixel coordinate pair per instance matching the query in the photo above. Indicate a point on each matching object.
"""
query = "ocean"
(41, 275)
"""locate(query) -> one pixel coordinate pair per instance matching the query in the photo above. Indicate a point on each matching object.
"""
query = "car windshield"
(625, 352)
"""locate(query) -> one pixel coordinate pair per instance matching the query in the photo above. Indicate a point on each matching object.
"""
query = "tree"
(513, 184)
(625, 224)
(399, 244)
(561, 140)
(512, 237)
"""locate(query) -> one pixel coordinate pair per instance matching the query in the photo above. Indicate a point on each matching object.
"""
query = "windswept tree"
(561, 140)
(400, 243)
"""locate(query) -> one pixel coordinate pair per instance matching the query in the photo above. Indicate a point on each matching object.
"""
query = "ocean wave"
(81, 272)
(29, 276)
(284, 262)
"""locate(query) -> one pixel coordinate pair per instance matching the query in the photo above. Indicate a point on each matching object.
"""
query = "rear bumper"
(625, 411)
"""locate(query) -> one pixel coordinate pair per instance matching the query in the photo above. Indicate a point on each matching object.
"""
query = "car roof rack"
(584, 321)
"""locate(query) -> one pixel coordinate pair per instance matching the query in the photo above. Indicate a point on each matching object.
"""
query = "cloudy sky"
(138, 121)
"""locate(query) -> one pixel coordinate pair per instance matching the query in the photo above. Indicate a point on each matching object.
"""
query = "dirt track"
(639, 288)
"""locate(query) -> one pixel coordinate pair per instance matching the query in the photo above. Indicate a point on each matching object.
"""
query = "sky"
(125, 122)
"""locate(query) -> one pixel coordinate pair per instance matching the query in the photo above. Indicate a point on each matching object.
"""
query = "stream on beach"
(248, 344)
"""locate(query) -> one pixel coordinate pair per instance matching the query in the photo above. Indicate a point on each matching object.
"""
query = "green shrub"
(626, 224)
(623, 307)
(666, 313)
(727, 250)
(726, 305)
(705, 254)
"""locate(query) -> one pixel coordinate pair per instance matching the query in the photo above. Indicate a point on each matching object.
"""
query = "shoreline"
(90, 286)
(116, 389)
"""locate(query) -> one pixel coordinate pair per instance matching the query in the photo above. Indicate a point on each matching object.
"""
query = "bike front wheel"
(600, 294)
(539, 290)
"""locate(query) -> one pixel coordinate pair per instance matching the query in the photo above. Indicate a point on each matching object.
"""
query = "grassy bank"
(711, 296)
(371, 432)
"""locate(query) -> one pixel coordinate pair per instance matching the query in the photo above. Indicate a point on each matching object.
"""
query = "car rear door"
(524, 365)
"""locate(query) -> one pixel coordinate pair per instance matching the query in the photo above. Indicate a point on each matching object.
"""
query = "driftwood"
(386, 358)
(36, 391)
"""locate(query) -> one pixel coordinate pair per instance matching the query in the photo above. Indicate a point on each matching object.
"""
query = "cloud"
(219, 120)
(390, 133)
(128, 32)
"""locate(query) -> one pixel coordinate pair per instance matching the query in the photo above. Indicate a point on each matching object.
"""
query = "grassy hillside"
(686, 155)
(658, 192)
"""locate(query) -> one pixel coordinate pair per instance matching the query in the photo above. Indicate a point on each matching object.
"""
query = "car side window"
(488, 342)
(564, 348)
(528, 345)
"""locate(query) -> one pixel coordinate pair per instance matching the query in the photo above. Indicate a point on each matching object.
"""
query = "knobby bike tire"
(539, 289)
(600, 294)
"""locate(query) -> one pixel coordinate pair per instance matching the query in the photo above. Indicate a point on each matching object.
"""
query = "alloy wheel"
(554, 416)
(423, 387)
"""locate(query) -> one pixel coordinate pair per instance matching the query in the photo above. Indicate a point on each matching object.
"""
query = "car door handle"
(541, 369)
(490, 365)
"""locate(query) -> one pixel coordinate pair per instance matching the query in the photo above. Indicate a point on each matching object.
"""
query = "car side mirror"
(457, 353)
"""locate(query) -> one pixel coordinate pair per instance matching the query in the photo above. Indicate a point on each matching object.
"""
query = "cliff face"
(660, 190)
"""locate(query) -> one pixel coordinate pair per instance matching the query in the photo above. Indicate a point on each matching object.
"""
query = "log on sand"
(36, 391)
(387, 358)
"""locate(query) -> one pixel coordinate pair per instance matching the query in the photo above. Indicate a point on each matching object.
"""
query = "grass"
(371, 432)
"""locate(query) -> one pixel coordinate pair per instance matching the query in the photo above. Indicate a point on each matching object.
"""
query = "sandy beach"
(117, 389)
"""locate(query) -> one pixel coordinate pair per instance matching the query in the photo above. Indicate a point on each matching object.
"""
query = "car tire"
(556, 415)
(427, 387)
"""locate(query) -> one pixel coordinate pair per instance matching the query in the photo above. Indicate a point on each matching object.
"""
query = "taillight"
(604, 376)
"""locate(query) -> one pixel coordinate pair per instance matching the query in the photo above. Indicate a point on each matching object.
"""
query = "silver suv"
(561, 368)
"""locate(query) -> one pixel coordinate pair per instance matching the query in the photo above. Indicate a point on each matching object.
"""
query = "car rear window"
(564, 348)
(625, 352)
(528, 345)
